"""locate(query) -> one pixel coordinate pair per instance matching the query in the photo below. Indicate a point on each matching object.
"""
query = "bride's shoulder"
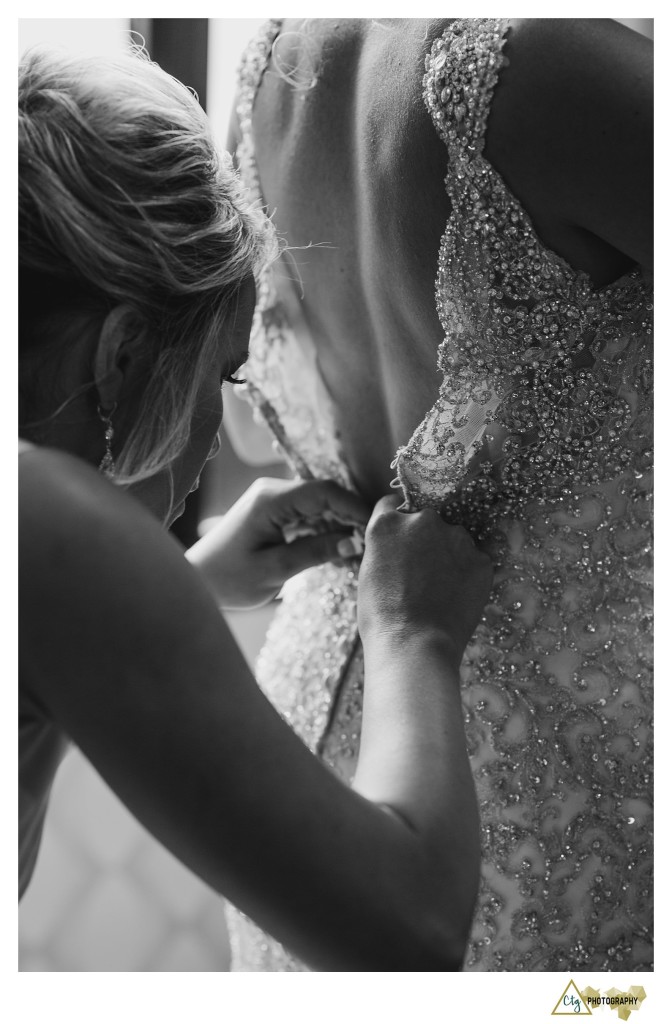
(570, 126)
(565, 56)
(571, 76)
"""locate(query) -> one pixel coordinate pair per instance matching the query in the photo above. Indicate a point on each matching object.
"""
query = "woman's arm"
(122, 643)
(413, 758)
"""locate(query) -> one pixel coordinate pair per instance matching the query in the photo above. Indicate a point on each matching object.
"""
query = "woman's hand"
(122, 645)
(276, 529)
(420, 576)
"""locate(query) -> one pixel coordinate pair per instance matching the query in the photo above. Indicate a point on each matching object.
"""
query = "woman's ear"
(113, 359)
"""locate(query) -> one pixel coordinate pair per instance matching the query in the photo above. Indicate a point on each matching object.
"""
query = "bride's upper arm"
(571, 127)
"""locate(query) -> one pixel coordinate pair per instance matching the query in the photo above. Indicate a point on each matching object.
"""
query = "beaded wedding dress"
(540, 444)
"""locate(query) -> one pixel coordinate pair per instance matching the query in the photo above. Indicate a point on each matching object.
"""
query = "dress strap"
(461, 73)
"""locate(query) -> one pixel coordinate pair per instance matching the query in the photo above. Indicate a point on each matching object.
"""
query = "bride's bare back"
(353, 167)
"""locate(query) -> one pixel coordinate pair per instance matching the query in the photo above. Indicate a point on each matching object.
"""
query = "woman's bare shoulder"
(61, 493)
(76, 528)
(571, 126)
(94, 566)
(594, 60)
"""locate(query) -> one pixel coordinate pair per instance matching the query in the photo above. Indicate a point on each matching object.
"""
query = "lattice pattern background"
(105, 895)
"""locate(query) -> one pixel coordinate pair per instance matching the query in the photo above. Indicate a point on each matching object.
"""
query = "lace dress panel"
(314, 635)
(282, 380)
(540, 444)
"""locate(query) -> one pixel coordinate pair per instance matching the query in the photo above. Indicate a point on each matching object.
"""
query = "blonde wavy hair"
(125, 198)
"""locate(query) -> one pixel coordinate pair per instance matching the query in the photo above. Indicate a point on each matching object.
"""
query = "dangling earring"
(107, 464)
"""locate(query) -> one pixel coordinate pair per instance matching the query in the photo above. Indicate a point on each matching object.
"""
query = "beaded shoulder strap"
(461, 73)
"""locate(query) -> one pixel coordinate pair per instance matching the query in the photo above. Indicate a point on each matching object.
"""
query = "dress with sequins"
(540, 444)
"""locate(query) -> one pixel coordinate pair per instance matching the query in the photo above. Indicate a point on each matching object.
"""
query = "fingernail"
(346, 548)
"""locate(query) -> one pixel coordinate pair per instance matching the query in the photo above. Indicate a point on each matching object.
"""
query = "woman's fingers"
(314, 550)
(309, 501)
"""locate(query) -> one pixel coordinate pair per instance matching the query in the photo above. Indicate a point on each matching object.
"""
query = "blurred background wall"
(105, 896)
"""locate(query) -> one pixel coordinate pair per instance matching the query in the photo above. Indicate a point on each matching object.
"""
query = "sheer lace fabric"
(540, 444)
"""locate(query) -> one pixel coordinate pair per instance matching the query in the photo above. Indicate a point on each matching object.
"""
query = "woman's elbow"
(442, 944)
(436, 936)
